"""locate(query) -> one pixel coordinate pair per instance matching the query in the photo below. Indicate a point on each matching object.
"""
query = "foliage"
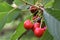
(51, 14)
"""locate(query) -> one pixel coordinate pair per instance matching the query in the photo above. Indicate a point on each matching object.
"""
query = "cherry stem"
(39, 8)
(22, 35)
(41, 22)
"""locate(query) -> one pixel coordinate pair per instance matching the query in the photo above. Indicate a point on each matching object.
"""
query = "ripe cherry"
(28, 24)
(38, 32)
(33, 9)
(35, 26)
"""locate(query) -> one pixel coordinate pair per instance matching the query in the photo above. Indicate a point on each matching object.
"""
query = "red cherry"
(35, 26)
(38, 32)
(28, 24)
(33, 9)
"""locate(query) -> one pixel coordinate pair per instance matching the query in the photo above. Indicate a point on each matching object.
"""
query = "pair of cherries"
(38, 31)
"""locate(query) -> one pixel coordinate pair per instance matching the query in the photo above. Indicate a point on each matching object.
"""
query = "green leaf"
(19, 2)
(24, 7)
(46, 36)
(1, 0)
(53, 25)
(53, 19)
(44, 2)
(8, 14)
(54, 13)
(8, 17)
(13, 14)
(23, 2)
(4, 13)
(31, 1)
(5, 7)
(56, 4)
(19, 31)
(30, 34)
(49, 4)
(3, 18)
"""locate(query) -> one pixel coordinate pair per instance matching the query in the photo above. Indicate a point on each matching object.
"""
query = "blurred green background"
(10, 27)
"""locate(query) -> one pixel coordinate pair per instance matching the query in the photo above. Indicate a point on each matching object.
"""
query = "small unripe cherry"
(38, 32)
(33, 9)
(28, 24)
(39, 19)
(35, 26)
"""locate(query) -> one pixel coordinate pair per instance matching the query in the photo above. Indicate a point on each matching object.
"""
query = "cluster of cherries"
(35, 26)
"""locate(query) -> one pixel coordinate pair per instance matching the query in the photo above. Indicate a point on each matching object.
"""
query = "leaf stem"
(41, 22)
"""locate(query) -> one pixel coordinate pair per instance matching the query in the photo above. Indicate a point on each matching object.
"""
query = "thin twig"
(41, 22)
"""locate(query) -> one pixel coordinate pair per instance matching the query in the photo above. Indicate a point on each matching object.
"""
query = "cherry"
(35, 26)
(33, 9)
(38, 32)
(28, 24)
